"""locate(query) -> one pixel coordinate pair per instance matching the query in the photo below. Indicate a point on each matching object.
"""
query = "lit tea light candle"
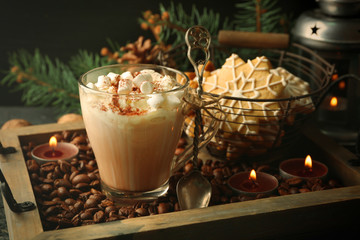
(333, 109)
(297, 167)
(253, 183)
(54, 151)
(336, 103)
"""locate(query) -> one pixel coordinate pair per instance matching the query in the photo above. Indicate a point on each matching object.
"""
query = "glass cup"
(135, 150)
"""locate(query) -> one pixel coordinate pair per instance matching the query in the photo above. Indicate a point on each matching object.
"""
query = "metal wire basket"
(276, 133)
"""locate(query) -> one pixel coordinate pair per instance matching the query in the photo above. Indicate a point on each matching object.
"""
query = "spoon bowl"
(195, 191)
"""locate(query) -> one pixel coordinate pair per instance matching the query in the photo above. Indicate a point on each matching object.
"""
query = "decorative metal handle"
(13, 205)
(198, 37)
(6, 150)
(6, 191)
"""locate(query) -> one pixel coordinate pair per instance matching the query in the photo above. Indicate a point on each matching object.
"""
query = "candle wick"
(53, 151)
(254, 183)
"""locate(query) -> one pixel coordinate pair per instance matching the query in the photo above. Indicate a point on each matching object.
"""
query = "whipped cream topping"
(130, 86)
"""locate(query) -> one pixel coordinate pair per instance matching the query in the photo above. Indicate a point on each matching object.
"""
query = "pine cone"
(139, 52)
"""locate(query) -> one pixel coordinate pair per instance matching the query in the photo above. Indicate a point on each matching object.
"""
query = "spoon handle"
(198, 38)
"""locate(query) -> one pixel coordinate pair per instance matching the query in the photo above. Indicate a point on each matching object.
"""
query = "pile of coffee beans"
(68, 194)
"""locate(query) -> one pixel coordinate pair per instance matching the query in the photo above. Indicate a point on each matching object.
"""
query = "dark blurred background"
(61, 28)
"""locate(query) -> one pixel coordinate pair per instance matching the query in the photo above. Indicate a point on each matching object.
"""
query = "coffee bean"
(303, 190)
(73, 174)
(48, 167)
(78, 206)
(95, 184)
(34, 177)
(46, 188)
(49, 203)
(52, 219)
(218, 173)
(79, 140)
(80, 178)
(83, 148)
(90, 203)
(32, 166)
(52, 210)
(99, 216)
(75, 192)
(188, 167)
(110, 219)
(294, 181)
(82, 186)
(92, 176)
(179, 150)
(70, 201)
(163, 207)
(283, 191)
(62, 183)
(109, 209)
(142, 211)
(57, 173)
(86, 216)
(64, 223)
(64, 166)
(106, 203)
(54, 194)
(63, 192)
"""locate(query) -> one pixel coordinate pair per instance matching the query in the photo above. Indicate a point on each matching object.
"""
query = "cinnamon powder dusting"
(128, 110)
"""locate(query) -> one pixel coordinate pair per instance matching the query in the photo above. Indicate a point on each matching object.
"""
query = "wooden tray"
(307, 214)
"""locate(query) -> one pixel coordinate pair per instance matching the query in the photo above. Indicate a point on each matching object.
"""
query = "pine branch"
(47, 83)
(86, 61)
(269, 16)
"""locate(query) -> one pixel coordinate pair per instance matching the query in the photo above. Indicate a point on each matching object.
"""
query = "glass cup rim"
(150, 66)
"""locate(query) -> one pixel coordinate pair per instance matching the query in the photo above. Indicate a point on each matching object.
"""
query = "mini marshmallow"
(155, 100)
(147, 71)
(113, 77)
(141, 78)
(125, 86)
(127, 75)
(172, 100)
(146, 87)
(156, 76)
(103, 82)
(166, 83)
(112, 89)
(91, 85)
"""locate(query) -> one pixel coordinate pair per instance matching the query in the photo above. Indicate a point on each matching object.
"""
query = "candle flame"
(252, 176)
(333, 102)
(53, 142)
(308, 162)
